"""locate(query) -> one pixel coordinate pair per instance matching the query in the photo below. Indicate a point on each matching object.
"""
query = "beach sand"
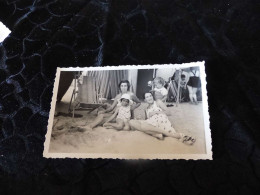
(186, 118)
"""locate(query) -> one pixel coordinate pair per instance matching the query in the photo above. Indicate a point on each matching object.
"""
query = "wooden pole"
(178, 90)
(74, 97)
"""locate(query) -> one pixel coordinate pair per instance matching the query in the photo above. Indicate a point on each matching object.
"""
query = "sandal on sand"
(188, 140)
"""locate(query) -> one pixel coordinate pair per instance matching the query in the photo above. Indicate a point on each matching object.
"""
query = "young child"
(183, 82)
(122, 115)
(183, 89)
(159, 90)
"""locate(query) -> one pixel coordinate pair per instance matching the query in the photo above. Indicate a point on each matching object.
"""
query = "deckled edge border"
(207, 132)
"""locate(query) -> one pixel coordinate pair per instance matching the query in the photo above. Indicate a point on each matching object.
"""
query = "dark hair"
(146, 93)
(183, 76)
(124, 81)
(124, 99)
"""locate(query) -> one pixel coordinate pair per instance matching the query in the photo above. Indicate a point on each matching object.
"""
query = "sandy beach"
(185, 118)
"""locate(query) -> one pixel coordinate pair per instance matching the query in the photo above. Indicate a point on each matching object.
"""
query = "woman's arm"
(163, 107)
(187, 78)
(185, 86)
(110, 108)
(197, 73)
(145, 114)
(136, 100)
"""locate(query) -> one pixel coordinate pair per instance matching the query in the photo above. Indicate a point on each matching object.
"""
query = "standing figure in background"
(160, 92)
(183, 88)
(193, 84)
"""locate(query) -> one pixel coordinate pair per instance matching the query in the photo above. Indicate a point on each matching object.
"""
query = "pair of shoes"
(189, 140)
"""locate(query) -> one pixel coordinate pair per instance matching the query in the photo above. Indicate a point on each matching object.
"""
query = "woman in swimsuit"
(157, 123)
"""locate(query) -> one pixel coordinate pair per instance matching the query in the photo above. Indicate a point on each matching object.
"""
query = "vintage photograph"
(130, 112)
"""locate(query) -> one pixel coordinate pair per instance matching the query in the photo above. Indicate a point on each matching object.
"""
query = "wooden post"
(74, 97)
(178, 90)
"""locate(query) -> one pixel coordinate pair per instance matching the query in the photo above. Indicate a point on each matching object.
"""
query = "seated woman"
(157, 122)
(103, 116)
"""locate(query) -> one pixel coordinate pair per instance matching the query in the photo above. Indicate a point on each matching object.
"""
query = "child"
(183, 88)
(122, 114)
(183, 82)
(159, 90)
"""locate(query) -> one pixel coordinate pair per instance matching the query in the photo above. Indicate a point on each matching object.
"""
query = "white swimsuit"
(160, 121)
(124, 113)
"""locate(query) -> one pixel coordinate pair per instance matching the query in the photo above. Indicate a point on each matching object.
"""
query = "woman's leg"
(136, 125)
(156, 135)
(148, 128)
(190, 93)
(143, 126)
(119, 125)
(97, 121)
(194, 91)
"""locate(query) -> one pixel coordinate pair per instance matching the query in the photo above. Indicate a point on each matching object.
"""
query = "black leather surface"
(47, 34)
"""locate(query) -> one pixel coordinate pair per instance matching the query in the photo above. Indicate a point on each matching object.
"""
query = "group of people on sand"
(119, 115)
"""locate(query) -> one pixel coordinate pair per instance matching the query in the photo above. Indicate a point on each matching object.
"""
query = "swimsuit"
(194, 81)
(124, 113)
(160, 121)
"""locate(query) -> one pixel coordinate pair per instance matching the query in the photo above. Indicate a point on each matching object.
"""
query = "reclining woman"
(157, 122)
(103, 116)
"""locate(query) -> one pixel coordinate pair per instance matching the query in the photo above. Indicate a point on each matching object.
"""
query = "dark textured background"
(47, 34)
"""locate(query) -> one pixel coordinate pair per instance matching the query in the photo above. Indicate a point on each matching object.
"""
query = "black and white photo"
(130, 112)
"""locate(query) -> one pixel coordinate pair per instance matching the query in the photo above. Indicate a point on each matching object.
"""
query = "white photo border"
(207, 132)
